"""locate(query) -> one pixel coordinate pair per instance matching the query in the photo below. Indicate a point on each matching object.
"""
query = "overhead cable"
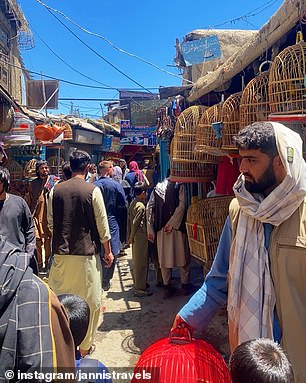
(111, 43)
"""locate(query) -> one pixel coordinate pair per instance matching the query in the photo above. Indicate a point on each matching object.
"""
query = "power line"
(109, 42)
(60, 58)
(95, 52)
(260, 9)
(67, 81)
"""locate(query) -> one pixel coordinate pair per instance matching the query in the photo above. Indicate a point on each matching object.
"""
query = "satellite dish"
(6, 117)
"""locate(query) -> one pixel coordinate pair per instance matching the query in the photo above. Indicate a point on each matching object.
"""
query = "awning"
(279, 24)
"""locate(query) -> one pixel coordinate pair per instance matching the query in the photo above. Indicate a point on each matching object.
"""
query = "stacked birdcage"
(15, 169)
(208, 137)
(55, 165)
(254, 103)
(230, 121)
(205, 220)
(185, 164)
(287, 81)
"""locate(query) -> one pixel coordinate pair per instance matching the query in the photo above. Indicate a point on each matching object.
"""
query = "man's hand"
(180, 327)
(108, 259)
(168, 228)
(151, 238)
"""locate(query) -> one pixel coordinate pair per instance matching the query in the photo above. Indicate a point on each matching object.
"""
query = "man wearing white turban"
(260, 266)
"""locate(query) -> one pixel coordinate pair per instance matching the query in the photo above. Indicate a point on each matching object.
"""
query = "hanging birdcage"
(287, 81)
(208, 136)
(230, 121)
(254, 103)
(185, 164)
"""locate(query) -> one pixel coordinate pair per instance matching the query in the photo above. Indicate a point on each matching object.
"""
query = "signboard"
(106, 143)
(201, 50)
(40, 91)
(144, 112)
(86, 137)
(137, 135)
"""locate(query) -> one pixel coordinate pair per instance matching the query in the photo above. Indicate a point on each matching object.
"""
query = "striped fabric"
(251, 298)
(26, 340)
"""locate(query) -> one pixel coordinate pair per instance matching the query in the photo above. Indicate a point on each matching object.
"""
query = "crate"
(205, 221)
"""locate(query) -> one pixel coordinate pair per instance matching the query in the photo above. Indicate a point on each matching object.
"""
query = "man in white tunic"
(166, 214)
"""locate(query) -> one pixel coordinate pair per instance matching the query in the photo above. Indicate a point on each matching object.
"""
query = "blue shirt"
(114, 200)
(205, 303)
(86, 366)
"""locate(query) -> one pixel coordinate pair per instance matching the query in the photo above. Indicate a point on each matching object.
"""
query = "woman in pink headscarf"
(134, 175)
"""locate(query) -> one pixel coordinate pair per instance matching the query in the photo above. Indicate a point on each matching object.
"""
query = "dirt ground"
(129, 324)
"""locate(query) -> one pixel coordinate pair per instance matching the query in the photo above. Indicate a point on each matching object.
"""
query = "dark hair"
(5, 177)
(260, 361)
(79, 159)
(78, 314)
(66, 169)
(259, 135)
(139, 187)
(38, 165)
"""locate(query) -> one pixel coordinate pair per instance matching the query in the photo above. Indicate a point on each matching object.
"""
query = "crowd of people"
(76, 227)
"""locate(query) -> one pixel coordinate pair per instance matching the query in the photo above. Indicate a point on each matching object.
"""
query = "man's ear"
(279, 167)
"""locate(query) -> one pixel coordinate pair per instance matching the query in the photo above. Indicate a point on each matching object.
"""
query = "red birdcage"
(181, 360)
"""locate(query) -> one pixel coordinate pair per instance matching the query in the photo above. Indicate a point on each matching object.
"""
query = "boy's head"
(260, 361)
(140, 190)
(78, 314)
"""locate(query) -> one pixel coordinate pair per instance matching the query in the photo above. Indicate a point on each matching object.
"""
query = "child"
(260, 361)
(137, 236)
(77, 311)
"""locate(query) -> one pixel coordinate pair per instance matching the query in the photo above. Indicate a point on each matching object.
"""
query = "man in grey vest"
(78, 220)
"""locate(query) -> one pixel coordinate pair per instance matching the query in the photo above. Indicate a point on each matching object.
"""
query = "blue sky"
(146, 28)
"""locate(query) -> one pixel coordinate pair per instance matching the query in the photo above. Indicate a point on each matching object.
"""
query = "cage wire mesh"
(287, 81)
(185, 164)
(254, 103)
(230, 121)
(207, 139)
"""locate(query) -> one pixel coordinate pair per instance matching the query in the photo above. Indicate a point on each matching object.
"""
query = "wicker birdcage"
(205, 220)
(15, 169)
(185, 164)
(254, 103)
(30, 169)
(287, 81)
(208, 138)
(55, 165)
(230, 121)
(67, 133)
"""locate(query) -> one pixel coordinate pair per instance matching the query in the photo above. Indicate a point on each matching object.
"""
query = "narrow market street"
(131, 324)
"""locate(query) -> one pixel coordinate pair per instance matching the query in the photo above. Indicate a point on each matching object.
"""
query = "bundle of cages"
(15, 169)
(230, 121)
(30, 169)
(287, 81)
(185, 164)
(55, 165)
(254, 103)
(208, 136)
(205, 221)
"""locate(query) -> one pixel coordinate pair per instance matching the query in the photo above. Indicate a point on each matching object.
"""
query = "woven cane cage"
(55, 165)
(254, 103)
(30, 169)
(67, 133)
(286, 82)
(230, 121)
(207, 141)
(205, 220)
(185, 164)
(16, 171)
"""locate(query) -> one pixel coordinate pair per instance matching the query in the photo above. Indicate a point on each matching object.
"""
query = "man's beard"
(266, 181)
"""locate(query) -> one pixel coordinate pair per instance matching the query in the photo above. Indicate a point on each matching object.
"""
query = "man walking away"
(78, 220)
(115, 205)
